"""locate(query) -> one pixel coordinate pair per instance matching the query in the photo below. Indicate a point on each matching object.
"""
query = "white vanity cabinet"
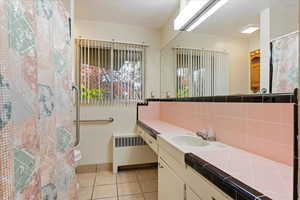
(190, 195)
(203, 188)
(170, 186)
(176, 180)
(148, 139)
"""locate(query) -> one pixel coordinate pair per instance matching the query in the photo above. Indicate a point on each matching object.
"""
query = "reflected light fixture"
(196, 12)
(188, 12)
(250, 29)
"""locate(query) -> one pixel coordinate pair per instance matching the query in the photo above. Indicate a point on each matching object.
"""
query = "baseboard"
(93, 168)
(86, 169)
(140, 166)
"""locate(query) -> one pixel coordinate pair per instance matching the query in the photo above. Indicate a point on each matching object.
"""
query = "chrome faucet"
(204, 134)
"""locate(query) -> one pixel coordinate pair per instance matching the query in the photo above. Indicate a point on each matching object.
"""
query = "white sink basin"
(191, 141)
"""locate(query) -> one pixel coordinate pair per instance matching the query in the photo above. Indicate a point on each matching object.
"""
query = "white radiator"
(131, 150)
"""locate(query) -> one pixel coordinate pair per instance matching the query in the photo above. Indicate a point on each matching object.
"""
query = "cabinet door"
(170, 187)
(190, 195)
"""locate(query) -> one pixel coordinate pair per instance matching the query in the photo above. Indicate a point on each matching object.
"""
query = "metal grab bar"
(77, 121)
(86, 122)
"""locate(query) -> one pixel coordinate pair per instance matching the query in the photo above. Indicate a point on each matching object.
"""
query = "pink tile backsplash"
(263, 129)
(149, 112)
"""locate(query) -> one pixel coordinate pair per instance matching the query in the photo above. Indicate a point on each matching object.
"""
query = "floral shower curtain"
(285, 64)
(36, 101)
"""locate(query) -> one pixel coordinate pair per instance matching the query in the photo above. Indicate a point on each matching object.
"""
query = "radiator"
(131, 150)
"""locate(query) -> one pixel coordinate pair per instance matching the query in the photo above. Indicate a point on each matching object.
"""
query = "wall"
(283, 19)
(167, 31)
(96, 140)
(254, 42)
(265, 129)
(96, 146)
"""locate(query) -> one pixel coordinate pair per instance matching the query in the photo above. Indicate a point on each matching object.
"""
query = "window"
(110, 72)
(201, 73)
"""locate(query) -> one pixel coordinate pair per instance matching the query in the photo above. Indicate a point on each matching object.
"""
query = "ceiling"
(228, 21)
(145, 13)
(236, 14)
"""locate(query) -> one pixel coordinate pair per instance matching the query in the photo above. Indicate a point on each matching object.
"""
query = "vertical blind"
(110, 72)
(201, 72)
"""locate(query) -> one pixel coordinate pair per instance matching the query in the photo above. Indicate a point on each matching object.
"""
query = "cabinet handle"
(161, 166)
(185, 192)
(213, 198)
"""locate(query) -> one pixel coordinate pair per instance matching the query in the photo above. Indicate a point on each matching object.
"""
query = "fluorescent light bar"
(188, 12)
(207, 14)
(250, 29)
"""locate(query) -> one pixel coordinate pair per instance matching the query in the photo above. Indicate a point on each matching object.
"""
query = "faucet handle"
(206, 134)
(202, 134)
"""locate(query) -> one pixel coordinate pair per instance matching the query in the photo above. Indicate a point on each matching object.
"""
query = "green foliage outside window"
(92, 93)
(183, 92)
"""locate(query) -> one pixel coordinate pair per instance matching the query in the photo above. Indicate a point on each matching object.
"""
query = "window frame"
(114, 47)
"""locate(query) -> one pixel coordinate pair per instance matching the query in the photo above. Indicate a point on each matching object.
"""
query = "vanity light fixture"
(188, 13)
(207, 13)
(196, 12)
(250, 29)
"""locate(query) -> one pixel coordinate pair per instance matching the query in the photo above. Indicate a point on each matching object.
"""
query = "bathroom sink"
(191, 141)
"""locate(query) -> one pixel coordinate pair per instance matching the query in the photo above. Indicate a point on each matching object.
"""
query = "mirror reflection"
(236, 47)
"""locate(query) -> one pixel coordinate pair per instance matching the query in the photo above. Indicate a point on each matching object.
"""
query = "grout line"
(137, 178)
(117, 185)
(93, 187)
(94, 184)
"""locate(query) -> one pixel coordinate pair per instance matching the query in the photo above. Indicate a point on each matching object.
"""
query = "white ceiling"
(228, 21)
(236, 14)
(145, 13)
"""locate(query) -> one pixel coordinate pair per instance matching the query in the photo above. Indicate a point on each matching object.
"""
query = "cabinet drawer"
(177, 167)
(203, 188)
(148, 139)
(139, 131)
(190, 195)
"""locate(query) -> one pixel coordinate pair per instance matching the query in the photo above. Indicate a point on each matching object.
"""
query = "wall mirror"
(245, 47)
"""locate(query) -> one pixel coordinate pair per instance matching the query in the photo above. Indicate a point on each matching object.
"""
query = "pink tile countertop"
(271, 178)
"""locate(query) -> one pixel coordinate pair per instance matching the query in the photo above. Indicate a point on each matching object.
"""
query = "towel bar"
(87, 122)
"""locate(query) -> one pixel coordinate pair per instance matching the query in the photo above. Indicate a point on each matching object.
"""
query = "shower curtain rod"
(113, 40)
(283, 36)
(202, 49)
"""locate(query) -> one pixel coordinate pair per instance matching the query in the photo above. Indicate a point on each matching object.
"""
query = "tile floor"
(138, 184)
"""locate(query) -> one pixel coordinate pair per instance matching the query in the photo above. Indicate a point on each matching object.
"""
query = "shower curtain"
(36, 102)
(285, 64)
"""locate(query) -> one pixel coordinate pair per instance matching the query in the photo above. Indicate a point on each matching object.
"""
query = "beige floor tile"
(86, 182)
(129, 189)
(86, 179)
(105, 180)
(113, 198)
(126, 177)
(106, 173)
(105, 191)
(132, 197)
(151, 196)
(147, 174)
(149, 186)
(85, 193)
